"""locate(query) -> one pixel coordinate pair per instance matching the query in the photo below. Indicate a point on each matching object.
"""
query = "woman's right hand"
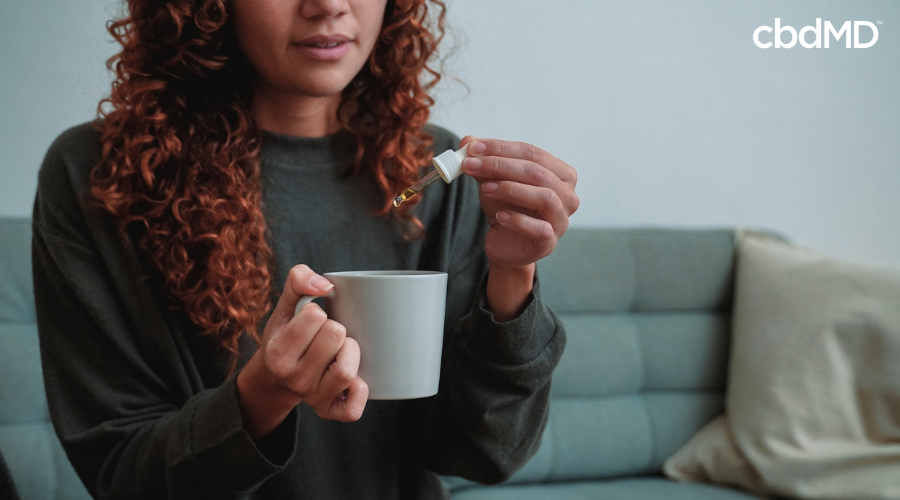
(304, 358)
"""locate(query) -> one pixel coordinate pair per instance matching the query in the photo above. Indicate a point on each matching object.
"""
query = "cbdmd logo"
(828, 32)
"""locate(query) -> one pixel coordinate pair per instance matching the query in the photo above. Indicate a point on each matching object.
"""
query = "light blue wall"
(52, 58)
(669, 111)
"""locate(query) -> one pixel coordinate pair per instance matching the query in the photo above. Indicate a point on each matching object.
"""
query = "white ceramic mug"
(397, 317)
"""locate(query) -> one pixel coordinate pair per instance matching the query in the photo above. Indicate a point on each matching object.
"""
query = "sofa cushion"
(616, 436)
(615, 270)
(647, 317)
(629, 391)
(21, 381)
(624, 353)
(648, 488)
(35, 458)
(38, 464)
(16, 290)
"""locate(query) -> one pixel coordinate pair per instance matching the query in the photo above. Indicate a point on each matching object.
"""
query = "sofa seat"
(644, 488)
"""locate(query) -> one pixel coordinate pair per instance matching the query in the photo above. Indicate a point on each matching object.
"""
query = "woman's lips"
(324, 47)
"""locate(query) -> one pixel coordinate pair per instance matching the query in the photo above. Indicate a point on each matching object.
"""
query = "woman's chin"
(322, 88)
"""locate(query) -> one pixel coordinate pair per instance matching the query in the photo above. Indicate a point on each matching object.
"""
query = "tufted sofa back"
(647, 313)
(32, 451)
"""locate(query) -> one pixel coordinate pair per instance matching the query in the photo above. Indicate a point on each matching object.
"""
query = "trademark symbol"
(878, 22)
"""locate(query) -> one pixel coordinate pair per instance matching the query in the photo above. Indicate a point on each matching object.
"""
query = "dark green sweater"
(143, 405)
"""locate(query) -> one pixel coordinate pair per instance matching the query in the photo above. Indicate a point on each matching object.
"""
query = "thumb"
(465, 140)
(301, 281)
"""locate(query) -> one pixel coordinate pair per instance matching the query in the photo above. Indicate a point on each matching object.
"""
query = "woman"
(246, 145)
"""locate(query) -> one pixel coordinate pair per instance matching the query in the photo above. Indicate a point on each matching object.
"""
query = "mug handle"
(306, 299)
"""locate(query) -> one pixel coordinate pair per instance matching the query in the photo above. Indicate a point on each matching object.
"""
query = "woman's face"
(308, 47)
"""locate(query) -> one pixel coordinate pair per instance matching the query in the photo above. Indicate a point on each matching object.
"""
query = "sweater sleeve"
(488, 417)
(131, 421)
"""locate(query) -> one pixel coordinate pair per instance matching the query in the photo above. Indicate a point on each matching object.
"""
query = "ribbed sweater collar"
(331, 150)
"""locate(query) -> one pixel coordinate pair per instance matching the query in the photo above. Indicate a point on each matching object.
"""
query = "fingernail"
(477, 147)
(502, 216)
(472, 164)
(489, 187)
(320, 283)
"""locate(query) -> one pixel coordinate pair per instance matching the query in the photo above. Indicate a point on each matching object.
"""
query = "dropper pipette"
(413, 190)
(447, 166)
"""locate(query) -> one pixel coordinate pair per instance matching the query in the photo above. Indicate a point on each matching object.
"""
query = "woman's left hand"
(526, 193)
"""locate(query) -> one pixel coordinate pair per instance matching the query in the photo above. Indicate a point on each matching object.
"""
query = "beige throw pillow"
(813, 399)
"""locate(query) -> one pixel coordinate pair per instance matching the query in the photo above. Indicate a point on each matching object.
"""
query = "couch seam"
(642, 391)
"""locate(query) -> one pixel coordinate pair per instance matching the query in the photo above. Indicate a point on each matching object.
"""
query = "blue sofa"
(647, 314)
(35, 458)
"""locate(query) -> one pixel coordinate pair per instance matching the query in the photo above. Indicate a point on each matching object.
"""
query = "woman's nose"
(311, 9)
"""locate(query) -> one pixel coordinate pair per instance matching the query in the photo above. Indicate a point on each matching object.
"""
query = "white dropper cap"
(449, 163)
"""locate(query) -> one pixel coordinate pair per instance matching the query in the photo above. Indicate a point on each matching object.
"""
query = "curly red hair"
(180, 149)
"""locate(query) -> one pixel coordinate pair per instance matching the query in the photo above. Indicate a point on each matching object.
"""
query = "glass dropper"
(413, 190)
(447, 166)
